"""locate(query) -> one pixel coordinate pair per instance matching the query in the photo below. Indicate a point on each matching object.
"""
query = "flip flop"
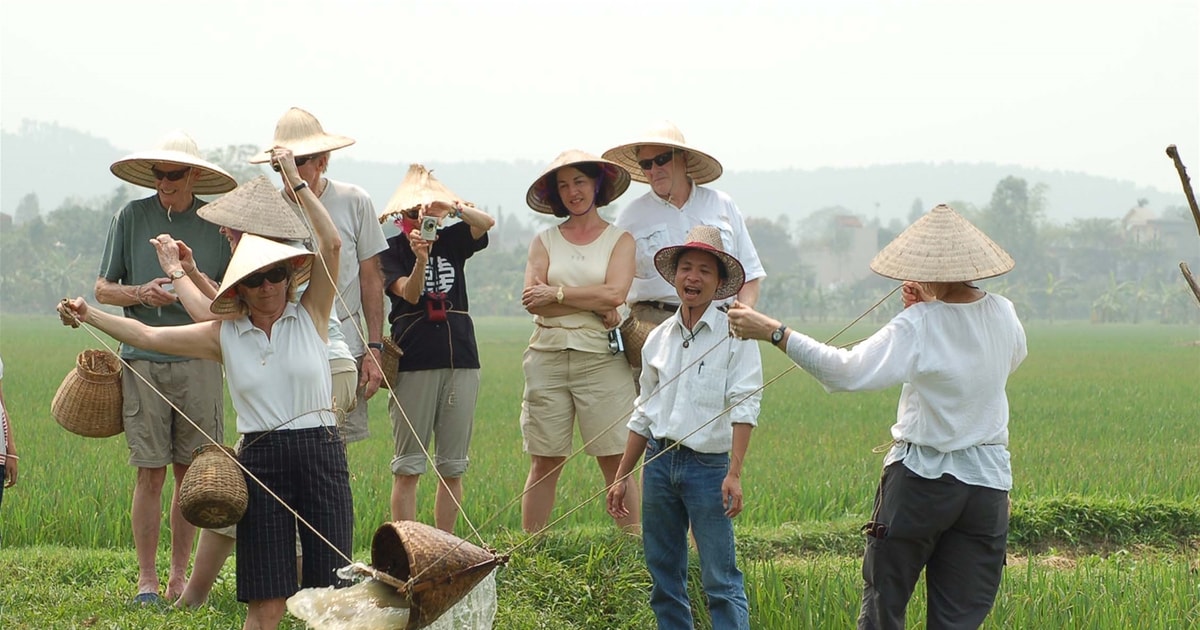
(148, 599)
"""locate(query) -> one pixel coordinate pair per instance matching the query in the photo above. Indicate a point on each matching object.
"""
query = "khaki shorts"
(345, 384)
(354, 426)
(437, 409)
(157, 434)
(568, 384)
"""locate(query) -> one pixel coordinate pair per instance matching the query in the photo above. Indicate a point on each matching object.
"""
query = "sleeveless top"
(574, 265)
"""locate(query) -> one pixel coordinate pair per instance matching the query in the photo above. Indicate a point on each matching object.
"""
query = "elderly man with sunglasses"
(676, 203)
(167, 414)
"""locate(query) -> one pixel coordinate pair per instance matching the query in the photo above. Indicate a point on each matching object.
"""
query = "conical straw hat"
(176, 148)
(701, 167)
(253, 253)
(418, 188)
(705, 238)
(942, 246)
(445, 567)
(301, 132)
(615, 180)
(256, 208)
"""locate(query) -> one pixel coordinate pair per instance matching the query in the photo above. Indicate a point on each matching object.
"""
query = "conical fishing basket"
(389, 362)
(88, 402)
(445, 567)
(213, 491)
(634, 331)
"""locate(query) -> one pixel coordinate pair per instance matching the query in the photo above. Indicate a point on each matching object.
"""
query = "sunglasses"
(171, 176)
(274, 275)
(300, 161)
(661, 159)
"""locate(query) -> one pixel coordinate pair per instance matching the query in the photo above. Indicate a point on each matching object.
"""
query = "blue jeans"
(680, 488)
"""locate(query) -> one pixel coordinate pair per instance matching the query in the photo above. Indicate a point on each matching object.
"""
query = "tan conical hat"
(942, 246)
(705, 238)
(256, 207)
(418, 188)
(301, 132)
(616, 180)
(701, 167)
(253, 253)
(176, 148)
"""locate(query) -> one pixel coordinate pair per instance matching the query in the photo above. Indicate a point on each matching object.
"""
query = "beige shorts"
(345, 384)
(157, 434)
(562, 386)
(354, 426)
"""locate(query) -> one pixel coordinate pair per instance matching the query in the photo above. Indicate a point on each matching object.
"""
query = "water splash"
(373, 605)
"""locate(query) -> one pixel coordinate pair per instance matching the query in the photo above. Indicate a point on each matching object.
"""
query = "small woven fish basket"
(88, 402)
(635, 331)
(390, 362)
(213, 492)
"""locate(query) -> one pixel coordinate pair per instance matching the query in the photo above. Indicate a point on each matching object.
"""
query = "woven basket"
(448, 567)
(635, 331)
(213, 492)
(390, 362)
(88, 402)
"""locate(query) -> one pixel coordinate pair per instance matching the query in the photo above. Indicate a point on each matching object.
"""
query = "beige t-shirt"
(574, 265)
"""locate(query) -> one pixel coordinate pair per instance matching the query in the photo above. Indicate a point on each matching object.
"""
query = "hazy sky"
(1099, 87)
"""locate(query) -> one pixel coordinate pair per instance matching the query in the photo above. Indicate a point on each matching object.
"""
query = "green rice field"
(1102, 416)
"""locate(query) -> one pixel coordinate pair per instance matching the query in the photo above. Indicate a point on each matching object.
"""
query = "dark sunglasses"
(171, 176)
(661, 159)
(274, 275)
(300, 161)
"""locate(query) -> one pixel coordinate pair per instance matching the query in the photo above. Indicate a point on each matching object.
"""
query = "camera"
(429, 228)
(616, 344)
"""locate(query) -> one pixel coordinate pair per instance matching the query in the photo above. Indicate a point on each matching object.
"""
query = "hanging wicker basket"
(432, 568)
(390, 362)
(213, 491)
(88, 402)
(635, 331)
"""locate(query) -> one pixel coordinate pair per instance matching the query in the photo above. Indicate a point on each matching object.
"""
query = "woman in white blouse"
(942, 502)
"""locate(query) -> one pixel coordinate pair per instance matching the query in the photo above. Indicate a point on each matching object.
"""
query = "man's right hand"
(152, 294)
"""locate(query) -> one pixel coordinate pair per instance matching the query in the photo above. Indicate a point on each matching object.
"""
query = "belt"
(666, 443)
(662, 306)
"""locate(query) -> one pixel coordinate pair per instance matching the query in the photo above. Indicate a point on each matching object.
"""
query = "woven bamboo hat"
(256, 208)
(88, 402)
(253, 253)
(706, 238)
(418, 188)
(701, 167)
(615, 180)
(942, 246)
(176, 148)
(301, 132)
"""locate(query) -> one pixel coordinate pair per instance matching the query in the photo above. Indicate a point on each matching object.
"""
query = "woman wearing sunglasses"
(576, 279)
(277, 372)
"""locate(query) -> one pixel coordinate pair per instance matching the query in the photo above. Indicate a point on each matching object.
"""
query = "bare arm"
(635, 445)
(539, 298)
(175, 256)
(370, 278)
(9, 474)
(150, 294)
(731, 487)
(409, 287)
(479, 220)
(198, 341)
(596, 297)
(748, 295)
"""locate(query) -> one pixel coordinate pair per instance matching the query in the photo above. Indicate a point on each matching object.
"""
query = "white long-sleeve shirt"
(954, 361)
(710, 382)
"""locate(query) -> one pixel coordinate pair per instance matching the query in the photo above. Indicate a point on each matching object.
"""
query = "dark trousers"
(957, 532)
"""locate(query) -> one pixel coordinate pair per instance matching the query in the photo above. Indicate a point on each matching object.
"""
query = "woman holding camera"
(576, 279)
(438, 380)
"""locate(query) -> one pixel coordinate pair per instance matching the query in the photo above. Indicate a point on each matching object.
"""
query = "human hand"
(609, 319)
(420, 246)
(731, 495)
(616, 499)
(284, 161)
(186, 259)
(747, 323)
(152, 294)
(913, 292)
(370, 377)
(169, 255)
(439, 209)
(10, 472)
(539, 294)
(72, 312)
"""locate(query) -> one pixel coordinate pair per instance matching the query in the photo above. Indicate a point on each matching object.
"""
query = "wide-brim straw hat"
(705, 238)
(433, 568)
(89, 400)
(418, 188)
(253, 253)
(942, 246)
(256, 207)
(616, 180)
(176, 148)
(301, 132)
(701, 167)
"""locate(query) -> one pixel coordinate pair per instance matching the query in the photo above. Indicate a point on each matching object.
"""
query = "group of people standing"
(283, 288)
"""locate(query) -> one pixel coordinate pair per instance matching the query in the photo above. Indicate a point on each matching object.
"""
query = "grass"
(1106, 452)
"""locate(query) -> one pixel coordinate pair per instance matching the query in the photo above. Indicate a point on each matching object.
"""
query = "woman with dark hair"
(576, 279)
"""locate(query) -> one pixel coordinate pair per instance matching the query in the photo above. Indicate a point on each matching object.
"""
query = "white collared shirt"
(656, 224)
(718, 371)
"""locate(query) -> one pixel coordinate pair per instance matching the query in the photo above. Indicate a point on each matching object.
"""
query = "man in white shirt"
(692, 372)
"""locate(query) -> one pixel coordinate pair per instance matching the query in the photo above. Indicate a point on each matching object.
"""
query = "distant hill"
(57, 163)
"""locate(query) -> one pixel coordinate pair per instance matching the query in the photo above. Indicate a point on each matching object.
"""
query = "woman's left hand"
(609, 319)
(747, 323)
(539, 294)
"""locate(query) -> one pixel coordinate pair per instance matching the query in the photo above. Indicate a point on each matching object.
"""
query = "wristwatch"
(559, 296)
(778, 334)
(177, 274)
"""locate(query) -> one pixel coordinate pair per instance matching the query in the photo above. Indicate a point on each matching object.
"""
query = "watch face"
(777, 335)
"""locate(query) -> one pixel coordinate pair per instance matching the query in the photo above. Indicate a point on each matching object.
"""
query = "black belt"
(662, 306)
(666, 443)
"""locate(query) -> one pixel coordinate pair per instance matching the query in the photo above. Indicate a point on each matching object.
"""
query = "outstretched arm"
(198, 341)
